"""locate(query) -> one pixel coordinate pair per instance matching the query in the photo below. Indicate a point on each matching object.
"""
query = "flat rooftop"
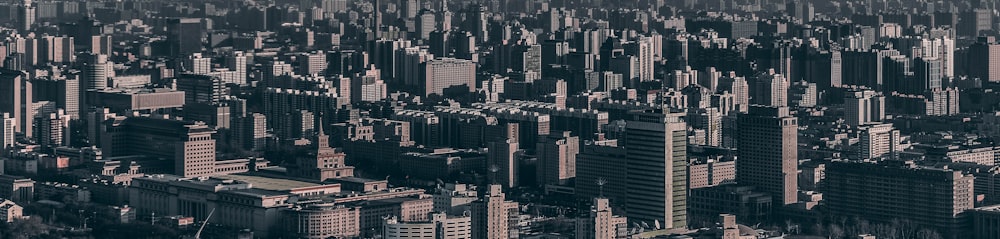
(275, 184)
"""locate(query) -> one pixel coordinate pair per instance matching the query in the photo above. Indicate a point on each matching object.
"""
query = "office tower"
(184, 36)
(768, 152)
(803, 11)
(877, 141)
(203, 89)
(7, 130)
(312, 63)
(601, 223)
(441, 74)
(928, 74)
(16, 98)
(190, 146)
(493, 217)
(333, 6)
(941, 101)
(984, 60)
(52, 130)
(502, 162)
(770, 89)
(642, 49)
(557, 158)
(932, 198)
(425, 24)
(96, 69)
(863, 107)
(237, 62)
(656, 159)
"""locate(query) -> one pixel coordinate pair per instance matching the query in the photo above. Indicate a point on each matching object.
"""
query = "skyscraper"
(184, 36)
(502, 162)
(237, 62)
(984, 57)
(642, 49)
(493, 217)
(768, 152)
(770, 89)
(7, 130)
(96, 69)
(16, 99)
(656, 159)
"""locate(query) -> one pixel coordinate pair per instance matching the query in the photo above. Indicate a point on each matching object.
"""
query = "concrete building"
(190, 146)
(493, 217)
(902, 192)
(18, 189)
(10, 211)
(768, 152)
(373, 213)
(862, 107)
(439, 226)
(656, 159)
(601, 223)
(16, 99)
(502, 162)
(557, 159)
(986, 55)
(770, 89)
(985, 222)
(8, 130)
(201, 88)
(143, 100)
(600, 167)
(878, 141)
(750, 205)
(184, 35)
(443, 73)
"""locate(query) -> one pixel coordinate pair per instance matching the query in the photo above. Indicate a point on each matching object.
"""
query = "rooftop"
(265, 183)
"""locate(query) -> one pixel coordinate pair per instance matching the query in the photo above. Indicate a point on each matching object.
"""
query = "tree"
(928, 234)
(26, 228)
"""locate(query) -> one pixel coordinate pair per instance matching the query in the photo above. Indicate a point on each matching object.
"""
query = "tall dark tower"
(377, 21)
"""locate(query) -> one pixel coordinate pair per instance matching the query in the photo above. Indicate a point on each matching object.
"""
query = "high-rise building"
(203, 89)
(96, 69)
(7, 130)
(196, 64)
(642, 49)
(26, 17)
(770, 89)
(184, 36)
(493, 217)
(877, 141)
(237, 62)
(440, 74)
(928, 73)
(502, 162)
(601, 223)
(368, 87)
(57, 49)
(984, 60)
(862, 107)
(656, 159)
(768, 152)
(557, 158)
(16, 98)
(190, 146)
(312, 63)
(52, 130)
(932, 198)
(426, 23)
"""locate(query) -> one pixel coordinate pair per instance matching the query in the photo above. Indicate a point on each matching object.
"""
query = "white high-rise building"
(199, 65)
(493, 217)
(642, 49)
(601, 224)
(237, 62)
(877, 141)
(770, 89)
(7, 131)
(863, 107)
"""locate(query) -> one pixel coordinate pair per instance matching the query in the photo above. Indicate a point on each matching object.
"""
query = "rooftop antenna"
(493, 173)
(600, 185)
